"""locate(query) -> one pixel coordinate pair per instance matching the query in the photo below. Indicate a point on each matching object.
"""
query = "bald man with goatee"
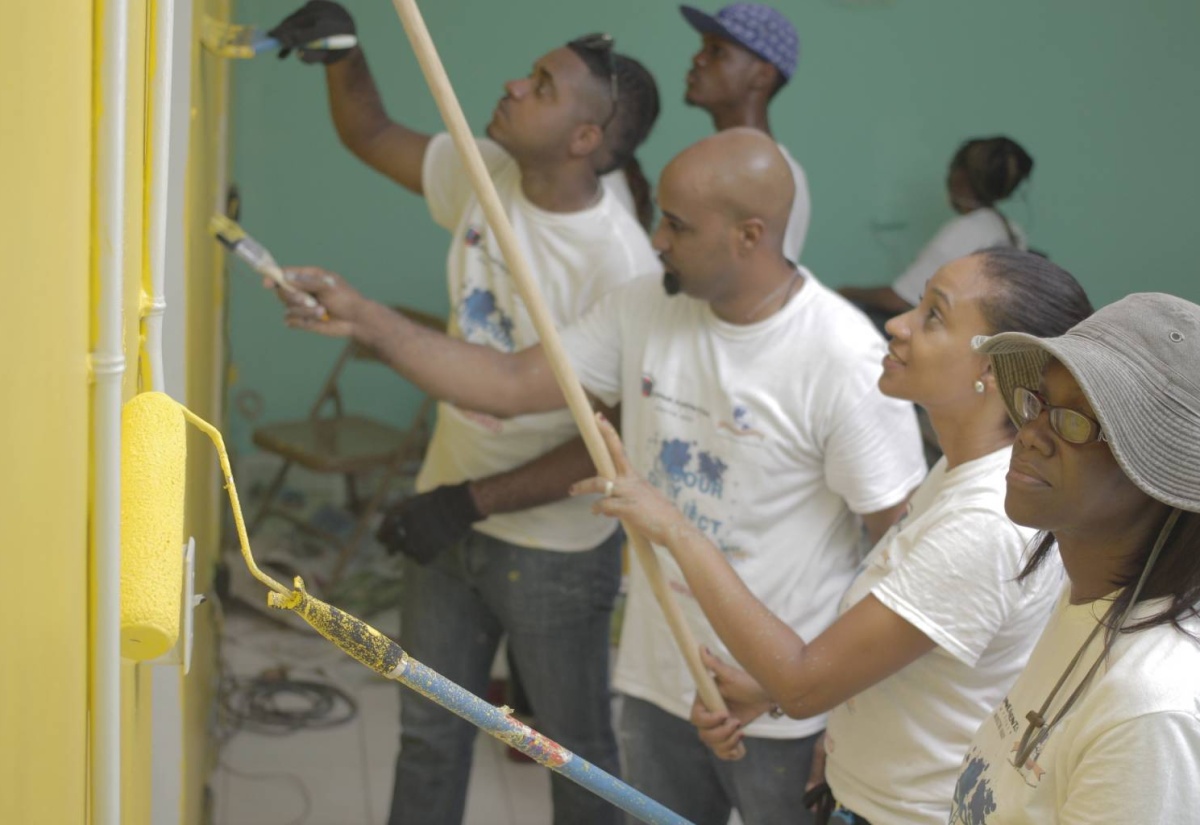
(748, 396)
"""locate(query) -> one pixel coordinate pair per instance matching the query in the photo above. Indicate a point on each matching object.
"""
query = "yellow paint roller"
(153, 475)
(153, 478)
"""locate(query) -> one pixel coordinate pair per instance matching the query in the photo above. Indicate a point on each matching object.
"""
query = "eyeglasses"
(601, 45)
(1073, 427)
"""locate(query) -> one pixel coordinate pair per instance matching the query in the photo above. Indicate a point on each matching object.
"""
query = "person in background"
(747, 55)
(983, 172)
(492, 546)
(934, 627)
(748, 393)
(1103, 723)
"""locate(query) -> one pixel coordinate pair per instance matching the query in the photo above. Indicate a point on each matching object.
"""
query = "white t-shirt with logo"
(1127, 751)
(949, 568)
(798, 218)
(575, 258)
(959, 236)
(768, 437)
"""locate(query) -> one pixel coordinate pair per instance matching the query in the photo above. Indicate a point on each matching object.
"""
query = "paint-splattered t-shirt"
(768, 436)
(1127, 751)
(575, 258)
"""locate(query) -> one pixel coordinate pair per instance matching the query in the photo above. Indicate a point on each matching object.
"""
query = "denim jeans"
(556, 609)
(664, 759)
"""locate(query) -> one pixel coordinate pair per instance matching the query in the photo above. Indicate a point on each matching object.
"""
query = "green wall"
(1105, 94)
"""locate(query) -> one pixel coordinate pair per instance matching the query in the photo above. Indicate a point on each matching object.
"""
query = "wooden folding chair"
(347, 444)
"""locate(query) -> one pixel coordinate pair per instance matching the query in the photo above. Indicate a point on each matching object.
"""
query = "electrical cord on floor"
(275, 704)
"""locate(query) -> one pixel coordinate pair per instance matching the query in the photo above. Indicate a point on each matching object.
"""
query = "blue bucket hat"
(760, 29)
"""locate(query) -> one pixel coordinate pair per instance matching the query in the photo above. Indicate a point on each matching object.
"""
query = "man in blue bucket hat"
(748, 54)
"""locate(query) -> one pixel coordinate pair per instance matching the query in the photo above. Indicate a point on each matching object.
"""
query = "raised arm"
(867, 644)
(361, 122)
(467, 375)
(364, 127)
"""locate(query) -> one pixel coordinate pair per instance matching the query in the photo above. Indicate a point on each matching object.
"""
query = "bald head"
(739, 172)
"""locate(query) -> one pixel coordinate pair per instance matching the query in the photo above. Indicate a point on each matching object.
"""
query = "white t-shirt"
(1127, 751)
(767, 436)
(616, 183)
(949, 568)
(959, 236)
(575, 258)
(797, 226)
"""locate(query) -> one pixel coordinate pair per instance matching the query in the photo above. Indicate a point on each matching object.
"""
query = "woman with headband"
(1103, 724)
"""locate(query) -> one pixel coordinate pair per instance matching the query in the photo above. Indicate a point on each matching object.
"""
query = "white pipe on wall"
(154, 308)
(108, 367)
(170, 123)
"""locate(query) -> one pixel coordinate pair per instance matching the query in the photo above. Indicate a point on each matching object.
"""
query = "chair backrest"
(353, 350)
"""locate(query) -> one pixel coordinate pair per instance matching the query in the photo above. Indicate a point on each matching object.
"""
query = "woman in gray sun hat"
(1103, 725)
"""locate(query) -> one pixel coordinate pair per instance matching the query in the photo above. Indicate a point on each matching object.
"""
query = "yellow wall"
(48, 325)
(205, 360)
(135, 680)
(45, 158)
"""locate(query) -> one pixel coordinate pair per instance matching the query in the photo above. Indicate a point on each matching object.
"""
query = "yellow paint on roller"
(153, 472)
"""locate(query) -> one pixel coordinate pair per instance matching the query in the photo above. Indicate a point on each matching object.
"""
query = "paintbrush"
(244, 42)
(238, 241)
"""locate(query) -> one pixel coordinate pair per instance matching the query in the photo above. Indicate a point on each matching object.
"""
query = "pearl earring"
(979, 387)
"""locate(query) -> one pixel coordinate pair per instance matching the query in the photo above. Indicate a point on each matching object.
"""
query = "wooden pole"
(485, 190)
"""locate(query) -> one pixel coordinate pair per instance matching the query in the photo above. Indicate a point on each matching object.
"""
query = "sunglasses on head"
(601, 45)
(1071, 426)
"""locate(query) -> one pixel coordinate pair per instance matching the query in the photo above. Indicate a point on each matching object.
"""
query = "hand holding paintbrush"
(322, 302)
(239, 242)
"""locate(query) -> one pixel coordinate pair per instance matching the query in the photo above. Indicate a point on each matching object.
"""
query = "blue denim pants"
(556, 609)
(665, 759)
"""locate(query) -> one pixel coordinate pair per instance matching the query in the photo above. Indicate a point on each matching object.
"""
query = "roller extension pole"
(367, 645)
(485, 190)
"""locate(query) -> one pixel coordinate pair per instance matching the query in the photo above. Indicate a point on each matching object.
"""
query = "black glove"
(312, 21)
(423, 526)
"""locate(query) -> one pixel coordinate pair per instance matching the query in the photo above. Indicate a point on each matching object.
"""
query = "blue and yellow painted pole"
(370, 647)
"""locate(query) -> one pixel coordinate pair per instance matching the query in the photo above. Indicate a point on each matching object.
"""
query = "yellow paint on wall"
(135, 681)
(46, 163)
(205, 362)
(48, 324)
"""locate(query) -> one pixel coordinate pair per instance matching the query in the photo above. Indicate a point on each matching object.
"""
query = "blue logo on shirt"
(973, 799)
(483, 322)
(675, 461)
(682, 472)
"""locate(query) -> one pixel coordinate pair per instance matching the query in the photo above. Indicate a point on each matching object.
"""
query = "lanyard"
(1037, 718)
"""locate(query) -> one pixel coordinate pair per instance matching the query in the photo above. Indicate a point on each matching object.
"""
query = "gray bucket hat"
(1138, 364)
